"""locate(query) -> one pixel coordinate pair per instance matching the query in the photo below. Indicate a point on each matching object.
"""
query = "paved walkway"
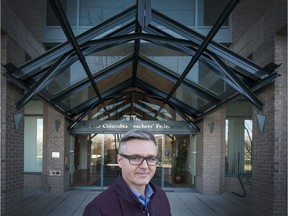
(72, 203)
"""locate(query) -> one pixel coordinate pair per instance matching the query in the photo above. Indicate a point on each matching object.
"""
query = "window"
(238, 138)
(182, 11)
(248, 146)
(94, 12)
(210, 10)
(33, 137)
(238, 145)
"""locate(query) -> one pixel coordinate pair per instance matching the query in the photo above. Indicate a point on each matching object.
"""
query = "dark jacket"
(119, 200)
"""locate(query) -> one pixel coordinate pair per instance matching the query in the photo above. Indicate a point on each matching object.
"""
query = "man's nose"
(144, 163)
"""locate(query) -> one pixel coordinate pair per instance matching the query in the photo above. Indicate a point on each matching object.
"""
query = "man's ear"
(119, 159)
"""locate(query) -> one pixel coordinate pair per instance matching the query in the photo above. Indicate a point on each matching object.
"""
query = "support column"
(12, 138)
(270, 147)
(211, 154)
(56, 152)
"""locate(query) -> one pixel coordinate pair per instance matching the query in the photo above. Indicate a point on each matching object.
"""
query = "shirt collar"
(148, 192)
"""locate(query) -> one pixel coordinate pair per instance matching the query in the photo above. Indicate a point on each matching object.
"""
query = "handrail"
(247, 175)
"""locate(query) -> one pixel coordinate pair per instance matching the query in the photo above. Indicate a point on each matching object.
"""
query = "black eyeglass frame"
(129, 157)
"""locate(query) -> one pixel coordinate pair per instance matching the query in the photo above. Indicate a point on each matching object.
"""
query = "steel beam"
(238, 84)
(97, 77)
(172, 78)
(213, 46)
(61, 49)
(42, 83)
(224, 15)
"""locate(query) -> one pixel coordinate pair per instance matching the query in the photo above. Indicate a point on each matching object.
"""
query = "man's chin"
(143, 181)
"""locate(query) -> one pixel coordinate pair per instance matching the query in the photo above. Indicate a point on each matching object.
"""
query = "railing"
(244, 178)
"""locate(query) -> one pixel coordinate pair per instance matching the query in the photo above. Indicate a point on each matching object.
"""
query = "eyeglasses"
(138, 160)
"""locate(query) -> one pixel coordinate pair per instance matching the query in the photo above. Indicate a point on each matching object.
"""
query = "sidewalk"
(72, 203)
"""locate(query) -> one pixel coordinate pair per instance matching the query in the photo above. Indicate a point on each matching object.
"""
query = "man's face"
(137, 176)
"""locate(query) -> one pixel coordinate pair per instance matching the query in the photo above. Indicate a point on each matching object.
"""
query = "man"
(132, 193)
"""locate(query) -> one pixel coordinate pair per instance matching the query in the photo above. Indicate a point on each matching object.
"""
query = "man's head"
(137, 157)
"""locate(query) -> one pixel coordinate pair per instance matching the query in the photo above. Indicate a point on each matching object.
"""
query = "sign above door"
(164, 127)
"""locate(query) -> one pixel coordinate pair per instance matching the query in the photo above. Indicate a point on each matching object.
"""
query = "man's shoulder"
(106, 195)
(102, 202)
(157, 188)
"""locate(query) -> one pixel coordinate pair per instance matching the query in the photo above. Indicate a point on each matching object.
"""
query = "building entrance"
(98, 167)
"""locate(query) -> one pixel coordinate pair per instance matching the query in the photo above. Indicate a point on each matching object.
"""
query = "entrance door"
(96, 161)
(103, 167)
(168, 152)
(110, 166)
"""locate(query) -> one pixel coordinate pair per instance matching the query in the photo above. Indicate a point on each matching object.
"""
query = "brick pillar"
(12, 139)
(56, 143)
(210, 171)
(270, 148)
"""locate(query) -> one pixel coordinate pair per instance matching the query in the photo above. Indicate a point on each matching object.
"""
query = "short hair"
(135, 134)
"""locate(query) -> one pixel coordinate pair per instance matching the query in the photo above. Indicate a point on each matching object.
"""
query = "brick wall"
(257, 27)
(232, 184)
(253, 11)
(281, 130)
(16, 43)
(12, 142)
(23, 23)
(18, 20)
(55, 141)
(270, 148)
(33, 181)
(211, 154)
(31, 13)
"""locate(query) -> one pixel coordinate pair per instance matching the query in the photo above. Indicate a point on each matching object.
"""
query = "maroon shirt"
(119, 200)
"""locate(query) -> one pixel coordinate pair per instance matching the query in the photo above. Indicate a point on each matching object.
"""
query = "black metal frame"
(52, 63)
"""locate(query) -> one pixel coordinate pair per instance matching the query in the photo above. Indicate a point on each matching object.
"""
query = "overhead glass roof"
(143, 64)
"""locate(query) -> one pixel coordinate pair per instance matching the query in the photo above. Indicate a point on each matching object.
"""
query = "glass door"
(157, 179)
(110, 166)
(169, 151)
(96, 160)
(167, 158)
(170, 147)
(104, 166)
(183, 163)
(101, 168)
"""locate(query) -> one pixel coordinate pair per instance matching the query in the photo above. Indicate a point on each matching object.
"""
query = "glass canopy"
(140, 63)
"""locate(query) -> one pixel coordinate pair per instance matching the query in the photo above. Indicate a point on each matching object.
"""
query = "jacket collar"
(125, 192)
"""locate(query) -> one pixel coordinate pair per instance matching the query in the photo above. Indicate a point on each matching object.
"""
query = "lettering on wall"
(166, 127)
